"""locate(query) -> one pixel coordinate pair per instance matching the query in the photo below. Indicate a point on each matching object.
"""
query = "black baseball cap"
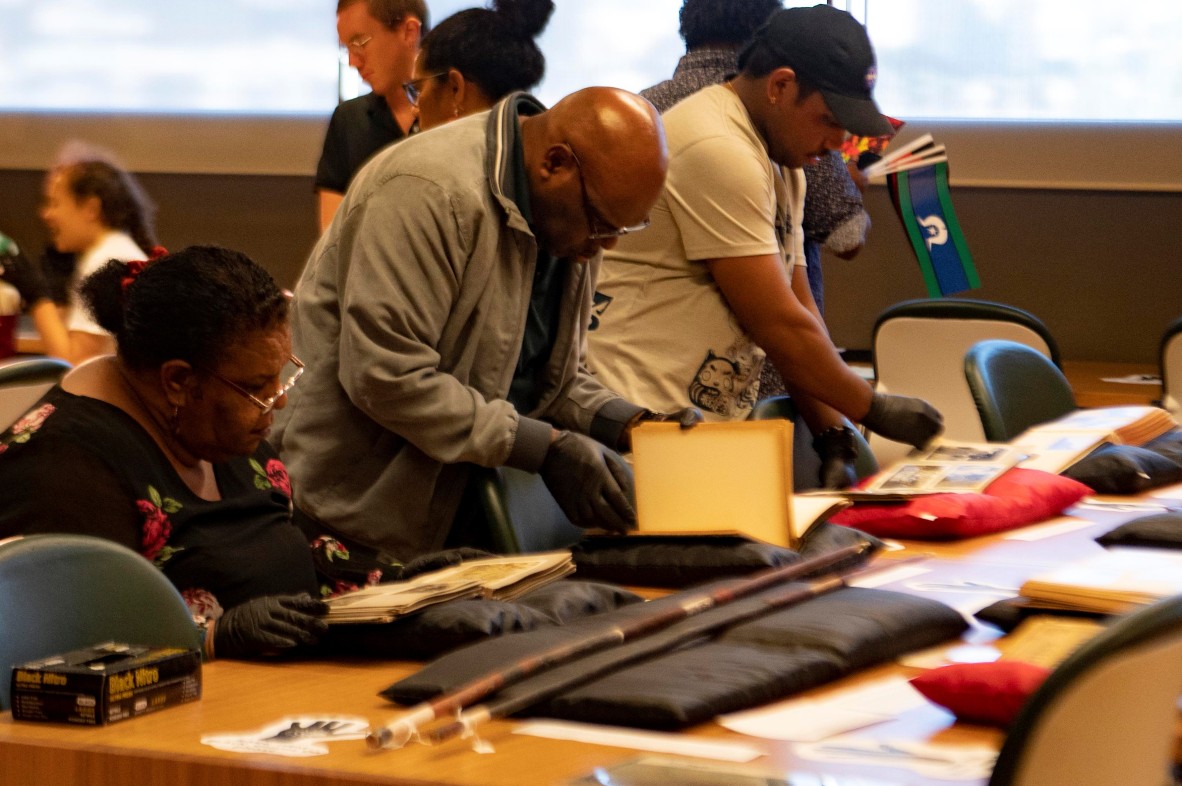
(829, 50)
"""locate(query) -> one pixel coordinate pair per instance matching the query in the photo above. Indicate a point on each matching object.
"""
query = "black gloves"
(262, 626)
(903, 419)
(686, 417)
(838, 449)
(592, 483)
(26, 276)
(437, 560)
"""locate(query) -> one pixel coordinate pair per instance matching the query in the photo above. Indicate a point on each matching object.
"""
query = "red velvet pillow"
(986, 693)
(1017, 498)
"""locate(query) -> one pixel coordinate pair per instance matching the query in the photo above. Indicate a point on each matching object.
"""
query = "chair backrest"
(1171, 369)
(521, 513)
(1014, 387)
(64, 592)
(919, 347)
(1107, 714)
(25, 380)
(806, 464)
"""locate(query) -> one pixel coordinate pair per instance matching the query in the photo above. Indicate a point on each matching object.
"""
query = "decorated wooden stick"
(469, 719)
(406, 726)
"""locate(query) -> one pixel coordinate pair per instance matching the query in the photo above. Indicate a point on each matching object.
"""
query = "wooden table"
(1087, 381)
(165, 748)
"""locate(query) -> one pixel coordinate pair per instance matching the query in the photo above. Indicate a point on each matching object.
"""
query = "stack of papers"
(499, 578)
(1110, 583)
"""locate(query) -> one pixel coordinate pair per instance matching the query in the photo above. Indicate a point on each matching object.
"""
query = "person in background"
(714, 32)
(162, 446)
(443, 319)
(834, 217)
(382, 38)
(686, 311)
(96, 211)
(476, 57)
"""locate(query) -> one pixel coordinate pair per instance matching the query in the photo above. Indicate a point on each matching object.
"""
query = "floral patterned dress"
(77, 464)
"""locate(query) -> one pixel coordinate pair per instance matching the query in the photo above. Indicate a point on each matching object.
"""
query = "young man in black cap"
(686, 310)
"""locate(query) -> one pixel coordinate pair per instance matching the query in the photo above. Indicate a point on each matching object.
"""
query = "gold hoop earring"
(174, 422)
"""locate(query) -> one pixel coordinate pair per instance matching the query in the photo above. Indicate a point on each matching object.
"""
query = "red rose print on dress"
(273, 476)
(157, 527)
(30, 423)
(277, 474)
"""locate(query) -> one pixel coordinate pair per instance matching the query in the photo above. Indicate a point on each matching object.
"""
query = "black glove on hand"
(903, 419)
(838, 449)
(25, 275)
(687, 417)
(590, 482)
(438, 560)
(273, 622)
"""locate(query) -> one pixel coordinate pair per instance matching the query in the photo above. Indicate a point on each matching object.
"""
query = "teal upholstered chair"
(1108, 714)
(1171, 369)
(919, 347)
(25, 380)
(806, 464)
(521, 514)
(63, 592)
(1014, 387)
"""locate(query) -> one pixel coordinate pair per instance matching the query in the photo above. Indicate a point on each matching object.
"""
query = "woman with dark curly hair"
(162, 446)
(476, 57)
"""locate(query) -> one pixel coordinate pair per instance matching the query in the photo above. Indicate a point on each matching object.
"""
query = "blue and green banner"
(922, 201)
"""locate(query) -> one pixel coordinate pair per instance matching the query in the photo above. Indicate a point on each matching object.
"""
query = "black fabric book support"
(770, 657)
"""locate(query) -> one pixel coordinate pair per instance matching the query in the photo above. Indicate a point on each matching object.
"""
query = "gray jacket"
(410, 316)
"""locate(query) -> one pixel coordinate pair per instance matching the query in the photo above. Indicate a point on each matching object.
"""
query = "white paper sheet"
(807, 720)
(1048, 530)
(658, 742)
(879, 578)
(951, 762)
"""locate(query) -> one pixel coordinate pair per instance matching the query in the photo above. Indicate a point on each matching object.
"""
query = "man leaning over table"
(685, 311)
(442, 317)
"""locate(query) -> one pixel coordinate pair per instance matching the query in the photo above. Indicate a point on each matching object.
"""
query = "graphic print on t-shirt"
(727, 384)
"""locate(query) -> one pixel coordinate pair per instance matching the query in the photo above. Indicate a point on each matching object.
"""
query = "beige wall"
(1102, 268)
(270, 217)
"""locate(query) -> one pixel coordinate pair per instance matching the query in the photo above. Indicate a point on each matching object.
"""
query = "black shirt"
(359, 128)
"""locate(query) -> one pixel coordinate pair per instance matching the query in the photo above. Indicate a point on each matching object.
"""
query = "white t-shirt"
(113, 245)
(662, 334)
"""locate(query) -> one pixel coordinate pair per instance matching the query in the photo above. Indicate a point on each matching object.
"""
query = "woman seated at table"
(162, 446)
(476, 57)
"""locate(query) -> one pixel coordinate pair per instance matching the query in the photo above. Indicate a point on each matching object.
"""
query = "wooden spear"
(405, 727)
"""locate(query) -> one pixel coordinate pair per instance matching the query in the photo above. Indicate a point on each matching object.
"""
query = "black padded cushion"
(1159, 530)
(441, 628)
(1009, 613)
(1128, 469)
(676, 561)
(687, 673)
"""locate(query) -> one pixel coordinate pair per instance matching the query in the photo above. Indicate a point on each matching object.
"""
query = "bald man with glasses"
(443, 315)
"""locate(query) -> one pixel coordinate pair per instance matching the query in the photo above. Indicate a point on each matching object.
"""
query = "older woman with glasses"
(476, 57)
(162, 446)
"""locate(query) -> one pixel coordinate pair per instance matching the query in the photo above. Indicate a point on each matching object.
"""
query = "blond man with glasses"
(381, 38)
